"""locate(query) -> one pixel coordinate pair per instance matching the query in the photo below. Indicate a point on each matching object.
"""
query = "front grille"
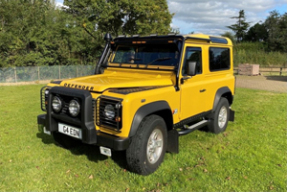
(44, 98)
(102, 120)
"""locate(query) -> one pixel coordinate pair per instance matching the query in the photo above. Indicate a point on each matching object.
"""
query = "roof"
(204, 37)
(212, 39)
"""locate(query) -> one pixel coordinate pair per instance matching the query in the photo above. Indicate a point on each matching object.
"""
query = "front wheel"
(219, 120)
(147, 149)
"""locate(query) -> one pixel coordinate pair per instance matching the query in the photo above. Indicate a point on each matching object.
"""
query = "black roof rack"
(171, 34)
(153, 35)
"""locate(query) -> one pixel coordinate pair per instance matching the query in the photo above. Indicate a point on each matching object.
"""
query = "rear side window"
(219, 59)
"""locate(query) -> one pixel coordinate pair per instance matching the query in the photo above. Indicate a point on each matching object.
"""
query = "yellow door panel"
(193, 93)
(193, 90)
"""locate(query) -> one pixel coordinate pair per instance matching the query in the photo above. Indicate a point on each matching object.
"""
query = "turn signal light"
(138, 42)
(118, 119)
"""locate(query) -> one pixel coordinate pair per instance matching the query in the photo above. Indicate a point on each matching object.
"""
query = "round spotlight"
(74, 108)
(56, 104)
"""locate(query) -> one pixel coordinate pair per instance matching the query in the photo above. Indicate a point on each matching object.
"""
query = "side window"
(193, 54)
(219, 59)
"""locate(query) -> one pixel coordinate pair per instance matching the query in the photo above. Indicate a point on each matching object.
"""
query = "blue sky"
(212, 17)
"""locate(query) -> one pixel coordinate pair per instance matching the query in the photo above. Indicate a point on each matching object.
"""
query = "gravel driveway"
(268, 83)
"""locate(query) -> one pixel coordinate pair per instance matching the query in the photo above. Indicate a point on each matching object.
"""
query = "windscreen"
(147, 54)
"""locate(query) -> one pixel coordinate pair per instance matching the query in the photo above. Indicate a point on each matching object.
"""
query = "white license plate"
(69, 130)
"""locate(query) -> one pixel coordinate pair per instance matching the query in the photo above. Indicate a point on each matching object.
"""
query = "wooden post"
(280, 71)
(38, 73)
(15, 74)
(59, 72)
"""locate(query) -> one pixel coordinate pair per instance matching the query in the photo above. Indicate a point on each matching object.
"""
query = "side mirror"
(191, 68)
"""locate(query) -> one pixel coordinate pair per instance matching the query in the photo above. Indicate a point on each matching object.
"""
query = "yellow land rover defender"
(146, 92)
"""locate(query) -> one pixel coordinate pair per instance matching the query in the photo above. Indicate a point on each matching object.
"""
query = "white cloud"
(212, 17)
(60, 5)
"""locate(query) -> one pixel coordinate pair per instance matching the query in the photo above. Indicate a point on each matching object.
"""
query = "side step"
(194, 127)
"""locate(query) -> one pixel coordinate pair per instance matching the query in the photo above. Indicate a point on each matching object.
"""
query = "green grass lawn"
(249, 156)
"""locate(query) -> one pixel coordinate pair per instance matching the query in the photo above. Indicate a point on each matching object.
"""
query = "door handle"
(202, 90)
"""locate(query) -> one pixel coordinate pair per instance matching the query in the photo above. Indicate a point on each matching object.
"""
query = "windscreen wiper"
(160, 59)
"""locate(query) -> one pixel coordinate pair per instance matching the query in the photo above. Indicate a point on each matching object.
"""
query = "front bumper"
(98, 138)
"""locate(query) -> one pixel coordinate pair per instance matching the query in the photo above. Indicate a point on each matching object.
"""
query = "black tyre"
(65, 141)
(220, 117)
(147, 149)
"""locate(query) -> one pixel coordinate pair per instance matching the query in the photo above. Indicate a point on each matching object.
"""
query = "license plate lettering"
(74, 132)
(69, 130)
(66, 129)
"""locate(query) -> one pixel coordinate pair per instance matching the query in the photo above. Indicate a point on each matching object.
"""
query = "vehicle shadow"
(93, 154)
(277, 78)
(46, 139)
(91, 151)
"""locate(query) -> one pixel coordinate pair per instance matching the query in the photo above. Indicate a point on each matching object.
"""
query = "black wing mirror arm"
(184, 78)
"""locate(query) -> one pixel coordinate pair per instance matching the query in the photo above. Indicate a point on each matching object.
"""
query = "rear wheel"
(220, 117)
(65, 141)
(147, 149)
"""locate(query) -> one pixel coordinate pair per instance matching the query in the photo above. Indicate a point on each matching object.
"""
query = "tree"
(20, 19)
(34, 32)
(257, 32)
(121, 16)
(240, 27)
(276, 26)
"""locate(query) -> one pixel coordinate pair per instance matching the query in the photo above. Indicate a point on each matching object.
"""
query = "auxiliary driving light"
(74, 108)
(56, 104)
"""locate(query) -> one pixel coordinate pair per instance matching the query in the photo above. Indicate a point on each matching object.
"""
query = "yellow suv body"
(146, 91)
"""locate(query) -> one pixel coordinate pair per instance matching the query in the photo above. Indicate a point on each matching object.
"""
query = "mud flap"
(172, 141)
(231, 115)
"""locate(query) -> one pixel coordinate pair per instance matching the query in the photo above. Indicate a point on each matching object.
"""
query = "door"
(192, 88)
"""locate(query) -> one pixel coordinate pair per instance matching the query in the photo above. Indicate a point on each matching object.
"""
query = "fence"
(39, 73)
(268, 70)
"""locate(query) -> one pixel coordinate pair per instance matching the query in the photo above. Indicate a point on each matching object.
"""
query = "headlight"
(74, 108)
(109, 111)
(56, 104)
